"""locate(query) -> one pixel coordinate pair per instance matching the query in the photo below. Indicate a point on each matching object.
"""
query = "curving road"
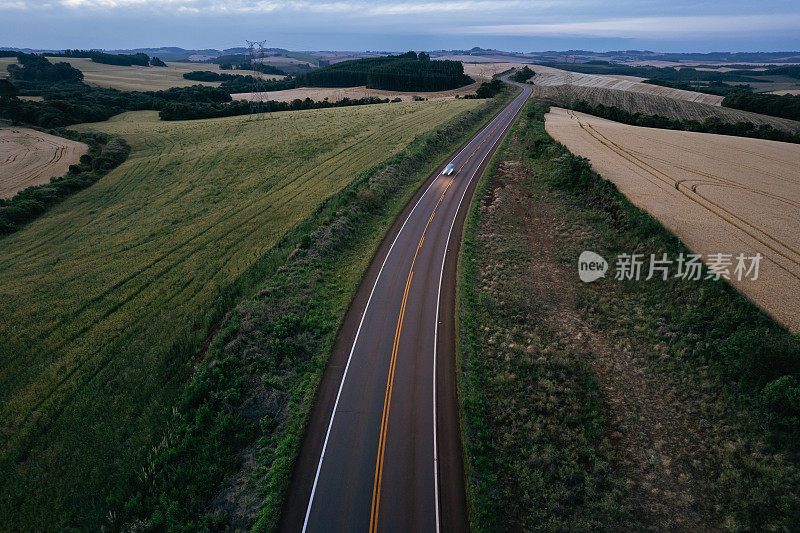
(383, 446)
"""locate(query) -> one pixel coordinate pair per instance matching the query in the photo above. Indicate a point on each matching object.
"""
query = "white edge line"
(358, 331)
(436, 327)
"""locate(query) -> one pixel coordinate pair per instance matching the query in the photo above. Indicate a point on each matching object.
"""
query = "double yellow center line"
(387, 400)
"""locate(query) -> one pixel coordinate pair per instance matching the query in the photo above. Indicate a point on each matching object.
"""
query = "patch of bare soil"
(658, 445)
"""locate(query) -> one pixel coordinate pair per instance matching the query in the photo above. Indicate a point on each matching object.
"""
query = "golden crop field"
(138, 78)
(101, 297)
(31, 157)
(720, 195)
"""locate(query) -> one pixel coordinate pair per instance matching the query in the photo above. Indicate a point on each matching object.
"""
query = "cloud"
(353, 7)
(653, 27)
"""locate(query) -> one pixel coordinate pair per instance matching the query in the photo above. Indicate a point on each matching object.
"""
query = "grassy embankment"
(107, 299)
(617, 404)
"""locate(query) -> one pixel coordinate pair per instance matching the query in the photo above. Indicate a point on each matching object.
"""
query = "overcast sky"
(533, 25)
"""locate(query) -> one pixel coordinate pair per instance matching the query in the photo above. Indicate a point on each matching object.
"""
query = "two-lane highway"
(387, 412)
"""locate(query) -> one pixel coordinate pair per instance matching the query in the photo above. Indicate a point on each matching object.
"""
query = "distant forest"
(719, 88)
(786, 106)
(125, 60)
(406, 72)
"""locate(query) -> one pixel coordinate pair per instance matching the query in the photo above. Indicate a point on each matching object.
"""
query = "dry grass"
(29, 157)
(138, 78)
(718, 194)
(658, 105)
(548, 76)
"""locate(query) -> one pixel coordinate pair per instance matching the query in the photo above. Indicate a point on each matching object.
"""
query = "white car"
(448, 169)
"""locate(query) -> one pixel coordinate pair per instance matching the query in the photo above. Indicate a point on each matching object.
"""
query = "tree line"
(125, 60)
(487, 89)
(36, 69)
(405, 72)
(239, 83)
(785, 106)
(719, 88)
(709, 125)
(191, 111)
(523, 74)
(105, 153)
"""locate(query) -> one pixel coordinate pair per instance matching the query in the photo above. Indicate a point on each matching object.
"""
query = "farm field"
(548, 76)
(136, 78)
(29, 157)
(4, 63)
(671, 108)
(334, 94)
(722, 194)
(107, 296)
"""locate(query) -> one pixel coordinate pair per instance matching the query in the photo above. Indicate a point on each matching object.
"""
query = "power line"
(259, 104)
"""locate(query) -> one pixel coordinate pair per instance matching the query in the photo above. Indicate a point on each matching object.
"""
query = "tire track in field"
(716, 204)
(675, 183)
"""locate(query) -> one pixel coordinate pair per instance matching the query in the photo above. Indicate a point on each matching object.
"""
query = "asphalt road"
(383, 447)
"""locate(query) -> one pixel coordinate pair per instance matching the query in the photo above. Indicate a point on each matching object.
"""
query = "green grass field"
(107, 298)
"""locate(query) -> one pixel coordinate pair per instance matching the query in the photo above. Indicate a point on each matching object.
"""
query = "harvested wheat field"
(719, 194)
(651, 104)
(30, 157)
(547, 76)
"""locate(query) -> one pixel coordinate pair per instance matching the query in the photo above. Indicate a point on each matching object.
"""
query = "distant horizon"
(398, 50)
(681, 26)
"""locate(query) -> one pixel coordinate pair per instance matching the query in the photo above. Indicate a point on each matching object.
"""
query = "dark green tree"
(7, 89)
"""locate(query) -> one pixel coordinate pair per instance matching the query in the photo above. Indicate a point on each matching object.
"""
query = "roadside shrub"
(782, 397)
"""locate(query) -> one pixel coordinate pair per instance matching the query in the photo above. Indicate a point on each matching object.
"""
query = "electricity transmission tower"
(259, 103)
